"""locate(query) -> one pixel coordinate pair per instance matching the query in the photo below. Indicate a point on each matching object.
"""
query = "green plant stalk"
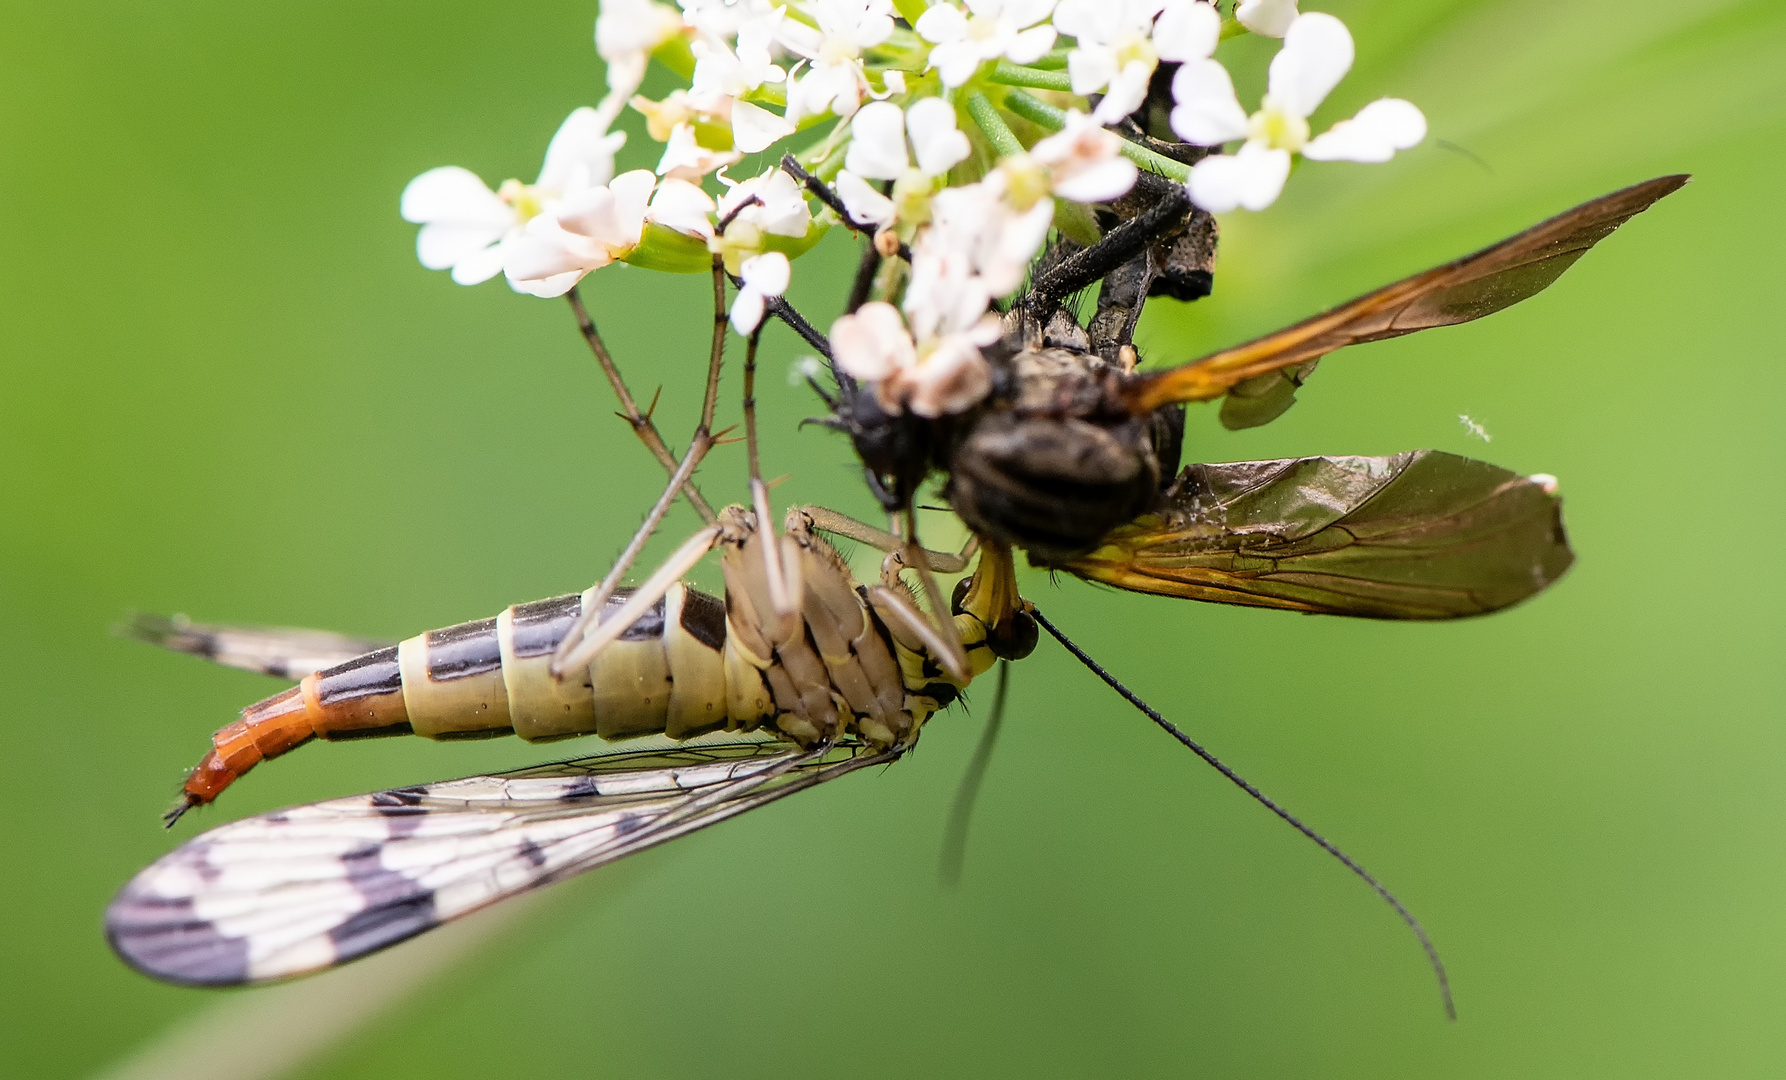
(993, 126)
(1008, 74)
(1045, 115)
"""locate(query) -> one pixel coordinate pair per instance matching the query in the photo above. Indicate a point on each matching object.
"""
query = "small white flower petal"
(955, 61)
(866, 205)
(1268, 18)
(872, 343)
(452, 194)
(686, 159)
(442, 245)
(877, 141)
(747, 311)
(1374, 135)
(545, 250)
(1207, 112)
(1090, 70)
(755, 129)
(952, 379)
(1101, 182)
(478, 266)
(768, 273)
(1187, 31)
(1317, 53)
(1081, 19)
(1125, 94)
(1027, 12)
(632, 192)
(1252, 179)
(682, 206)
(581, 152)
(895, 81)
(1031, 45)
(936, 142)
(942, 22)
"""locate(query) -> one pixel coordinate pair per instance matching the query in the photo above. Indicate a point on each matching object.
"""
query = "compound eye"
(1014, 638)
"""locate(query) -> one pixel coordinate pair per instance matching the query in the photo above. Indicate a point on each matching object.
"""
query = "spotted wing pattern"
(280, 651)
(1421, 535)
(1469, 288)
(303, 889)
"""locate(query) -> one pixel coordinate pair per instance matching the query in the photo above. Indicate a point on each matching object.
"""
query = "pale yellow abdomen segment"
(666, 674)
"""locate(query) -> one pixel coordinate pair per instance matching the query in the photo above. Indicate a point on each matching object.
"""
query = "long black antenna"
(1432, 954)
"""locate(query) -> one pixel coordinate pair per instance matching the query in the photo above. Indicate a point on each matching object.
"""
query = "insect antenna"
(961, 812)
(1432, 954)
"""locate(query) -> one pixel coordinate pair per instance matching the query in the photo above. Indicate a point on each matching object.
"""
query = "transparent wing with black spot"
(300, 890)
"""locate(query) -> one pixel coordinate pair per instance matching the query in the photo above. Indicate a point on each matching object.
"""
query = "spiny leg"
(1080, 269)
(952, 655)
(641, 422)
(698, 445)
(577, 649)
(781, 596)
(826, 520)
(961, 812)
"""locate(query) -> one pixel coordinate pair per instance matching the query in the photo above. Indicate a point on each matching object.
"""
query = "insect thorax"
(1048, 465)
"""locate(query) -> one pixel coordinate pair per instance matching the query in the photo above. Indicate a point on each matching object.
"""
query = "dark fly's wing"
(1473, 286)
(1421, 535)
(311, 887)
(280, 651)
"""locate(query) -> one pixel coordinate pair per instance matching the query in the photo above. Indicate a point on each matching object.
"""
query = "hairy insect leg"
(641, 422)
(826, 520)
(1078, 270)
(961, 812)
(579, 648)
(698, 446)
(952, 655)
(782, 591)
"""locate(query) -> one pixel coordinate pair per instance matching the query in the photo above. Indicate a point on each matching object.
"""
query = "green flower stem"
(997, 132)
(1054, 61)
(1008, 74)
(1045, 115)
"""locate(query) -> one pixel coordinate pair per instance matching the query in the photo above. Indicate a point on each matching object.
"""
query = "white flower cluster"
(925, 104)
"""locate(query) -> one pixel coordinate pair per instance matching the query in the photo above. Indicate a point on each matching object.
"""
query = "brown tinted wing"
(1422, 535)
(1473, 286)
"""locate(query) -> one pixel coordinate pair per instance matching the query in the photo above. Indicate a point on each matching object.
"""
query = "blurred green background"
(227, 389)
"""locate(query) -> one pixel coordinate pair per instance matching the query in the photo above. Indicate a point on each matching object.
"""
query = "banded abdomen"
(692, 664)
(666, 675)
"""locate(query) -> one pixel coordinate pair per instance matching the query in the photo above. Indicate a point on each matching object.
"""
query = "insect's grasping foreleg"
(948, 648)
(1118, 246)
(1432, 954)
(781, 592)
(698, 445)
(843, 525)
(578, 649)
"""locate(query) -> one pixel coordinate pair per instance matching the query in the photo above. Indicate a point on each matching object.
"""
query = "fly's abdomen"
(667, 674)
